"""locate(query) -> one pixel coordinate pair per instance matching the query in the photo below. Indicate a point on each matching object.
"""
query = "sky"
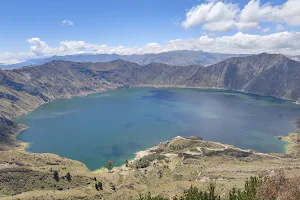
(42, 28)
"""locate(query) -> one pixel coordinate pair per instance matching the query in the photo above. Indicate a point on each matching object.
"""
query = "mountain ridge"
(179, 57)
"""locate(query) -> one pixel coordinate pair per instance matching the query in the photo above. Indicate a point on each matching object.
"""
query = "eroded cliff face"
(22, 90)
(8, 130)
(264, 74)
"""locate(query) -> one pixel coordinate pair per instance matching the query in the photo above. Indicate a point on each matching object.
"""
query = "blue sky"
(112, 22)
(130, 23)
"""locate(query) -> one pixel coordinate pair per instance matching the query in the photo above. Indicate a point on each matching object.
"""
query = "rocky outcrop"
(8, 96)
(8, 129)
(195, 138)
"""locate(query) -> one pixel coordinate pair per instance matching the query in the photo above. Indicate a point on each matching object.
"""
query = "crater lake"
(114, 125)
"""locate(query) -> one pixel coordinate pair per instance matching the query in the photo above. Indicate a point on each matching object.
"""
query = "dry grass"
(293, 148)
(169, 177)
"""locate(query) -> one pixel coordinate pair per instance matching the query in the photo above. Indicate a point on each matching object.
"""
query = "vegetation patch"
(229, 152)
(272, 187)
(146, 160)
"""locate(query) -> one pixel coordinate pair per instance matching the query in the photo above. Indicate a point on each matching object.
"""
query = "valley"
(183, 164)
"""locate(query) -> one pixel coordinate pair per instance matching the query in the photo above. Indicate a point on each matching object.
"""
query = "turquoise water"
(114, 125)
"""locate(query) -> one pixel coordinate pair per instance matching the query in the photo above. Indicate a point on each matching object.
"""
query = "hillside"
(8, 132)
(166, 169)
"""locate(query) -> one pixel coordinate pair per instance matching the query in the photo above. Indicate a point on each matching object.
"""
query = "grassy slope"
(294, 147)
(188, 162)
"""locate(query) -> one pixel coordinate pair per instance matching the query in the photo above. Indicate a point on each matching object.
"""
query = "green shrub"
(68, 177)
(194, 194)
(99, 186)
(255, 188)
(55, 175)
(250, 191)
(149, 197)
(145, 161)
(109, 165)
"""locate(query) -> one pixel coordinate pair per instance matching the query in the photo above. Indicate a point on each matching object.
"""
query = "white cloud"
(279, 28)
(38, 47)
(266, 30)
(219, 26)
(153, 44)
(251, 14)
(12, 58)
(224, 16)
(288, 13)
(283, 42)
(67, 22)
(246, 25)
(215, 16)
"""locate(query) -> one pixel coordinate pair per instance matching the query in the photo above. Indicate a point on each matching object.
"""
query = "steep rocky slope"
(8, 132)
(264, 74)
(24, 89)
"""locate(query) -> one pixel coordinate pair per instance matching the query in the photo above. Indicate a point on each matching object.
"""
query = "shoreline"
(65, 97)
(84, 94)
(289, 142)
(215, 88)
(288, 148)
(136, 155)
(291, 139)
(22, 146)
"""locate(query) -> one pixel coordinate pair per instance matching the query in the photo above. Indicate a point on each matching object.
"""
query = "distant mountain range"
(182, 58)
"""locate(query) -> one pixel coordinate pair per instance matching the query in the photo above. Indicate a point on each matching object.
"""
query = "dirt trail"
(235, 148)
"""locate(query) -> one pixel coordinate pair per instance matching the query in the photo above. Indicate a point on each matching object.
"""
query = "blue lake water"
(114, 125)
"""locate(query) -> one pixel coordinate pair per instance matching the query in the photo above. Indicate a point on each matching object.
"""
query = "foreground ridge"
(167, 169)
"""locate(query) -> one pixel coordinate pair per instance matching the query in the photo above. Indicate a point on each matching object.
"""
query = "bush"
(273, 187)
(279, 187)
(194, 194)
(109, 165)
(145, 161)
(148, 197)
(55, 175)
(250, 191)
(99, 186)
(68, 177)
